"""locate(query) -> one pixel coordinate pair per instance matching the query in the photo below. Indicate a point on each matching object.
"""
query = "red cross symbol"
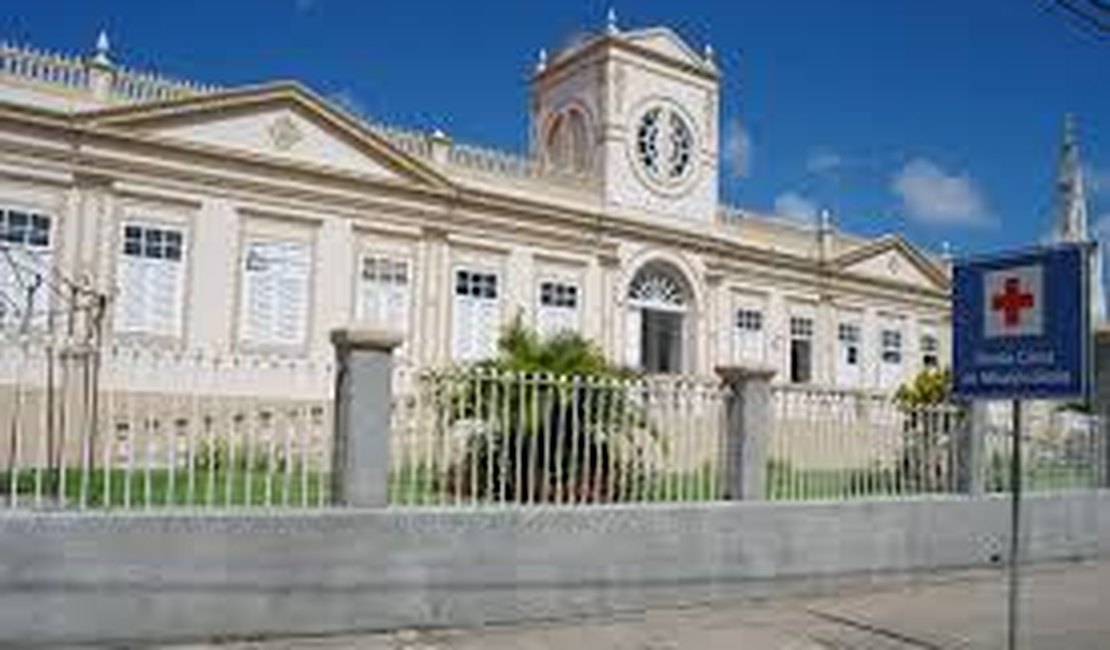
(1011, 302)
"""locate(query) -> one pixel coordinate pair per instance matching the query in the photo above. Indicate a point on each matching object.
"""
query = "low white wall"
(74, 577)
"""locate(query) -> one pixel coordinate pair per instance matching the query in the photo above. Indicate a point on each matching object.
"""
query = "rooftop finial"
(824, 220)
(102, 49)
(541, 62)
(946, 251)
(611, 22)
(708, 53)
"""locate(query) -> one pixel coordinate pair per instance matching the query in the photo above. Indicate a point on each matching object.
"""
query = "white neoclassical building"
(256, 219)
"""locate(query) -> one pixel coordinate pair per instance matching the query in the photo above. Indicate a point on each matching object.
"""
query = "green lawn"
(119, 488)
(418, 486)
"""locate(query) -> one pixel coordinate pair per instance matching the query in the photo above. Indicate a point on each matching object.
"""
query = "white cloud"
(823, 161)
(932, 195)
(795, 206)
(738, 149)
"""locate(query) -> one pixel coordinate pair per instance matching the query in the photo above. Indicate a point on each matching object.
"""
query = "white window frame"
(390, 279)
(891, 349)
(930, 349)
(802, 328)
(558, 306)
(749, 334)
(37, 257)
(139, 258)
(475, 295)
(270, 340)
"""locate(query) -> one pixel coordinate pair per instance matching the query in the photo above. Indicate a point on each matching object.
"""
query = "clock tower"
(638, 112)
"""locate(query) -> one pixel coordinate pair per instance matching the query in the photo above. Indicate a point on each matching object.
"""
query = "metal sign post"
(1015, 530)
(1021, 330)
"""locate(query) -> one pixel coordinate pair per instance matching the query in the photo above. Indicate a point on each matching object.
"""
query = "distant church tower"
(1071, 216)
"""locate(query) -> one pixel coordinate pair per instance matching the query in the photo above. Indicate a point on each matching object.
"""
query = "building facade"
(254, 220)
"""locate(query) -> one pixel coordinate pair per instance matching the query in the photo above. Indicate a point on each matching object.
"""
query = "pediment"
(892, 259)
(277, 123)
(665, 42)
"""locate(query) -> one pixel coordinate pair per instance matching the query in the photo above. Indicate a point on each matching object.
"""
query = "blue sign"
(1021, 324)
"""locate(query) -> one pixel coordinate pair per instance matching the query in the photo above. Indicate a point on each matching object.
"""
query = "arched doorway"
(659, 323)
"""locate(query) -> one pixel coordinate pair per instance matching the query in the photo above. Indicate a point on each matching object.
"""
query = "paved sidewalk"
(1067, 606)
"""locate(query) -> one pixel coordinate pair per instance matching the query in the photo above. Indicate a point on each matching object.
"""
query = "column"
(435, 302)
(210, 309)
(713, 352)
(333, 279)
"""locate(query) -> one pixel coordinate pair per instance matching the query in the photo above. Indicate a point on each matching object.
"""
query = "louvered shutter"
(275, 292)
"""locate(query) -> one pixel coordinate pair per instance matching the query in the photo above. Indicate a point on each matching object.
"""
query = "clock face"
(664, 145)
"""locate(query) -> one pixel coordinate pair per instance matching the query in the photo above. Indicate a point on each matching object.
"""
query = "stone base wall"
(73, 577)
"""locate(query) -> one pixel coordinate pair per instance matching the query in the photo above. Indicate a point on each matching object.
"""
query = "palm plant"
(548, 419)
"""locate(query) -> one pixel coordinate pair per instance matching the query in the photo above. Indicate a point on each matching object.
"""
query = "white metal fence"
(139, 428)
(828, 444)
(475, 436)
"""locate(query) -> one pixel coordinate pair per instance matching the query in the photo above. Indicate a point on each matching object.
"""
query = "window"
(150, 278)
(749, 320)
(664, 144)
(748, 336)
(801, 349)
(558, 308)
(568, 145)
(476, 315)
(476, 284)
(930, 349)
(849, 336)
(557, 294)
(25, 266)
(25, 228)
(151, 242)
(384, 292)
(275, 292)
(892, 346)
(801, 327)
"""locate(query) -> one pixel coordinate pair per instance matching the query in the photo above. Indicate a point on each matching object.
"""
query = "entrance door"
(661, 341)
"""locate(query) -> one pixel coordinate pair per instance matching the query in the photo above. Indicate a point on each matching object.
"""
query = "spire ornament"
(103, 47)
(1071, 213)
(1071, 218)
(541, 61)
(611, 23)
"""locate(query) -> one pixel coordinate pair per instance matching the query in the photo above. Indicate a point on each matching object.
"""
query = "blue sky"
(939, 119)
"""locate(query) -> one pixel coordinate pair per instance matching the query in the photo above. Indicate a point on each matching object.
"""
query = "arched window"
(658, 321)
(579, 141)
(557, 143)
(657, 287)
(568, 142)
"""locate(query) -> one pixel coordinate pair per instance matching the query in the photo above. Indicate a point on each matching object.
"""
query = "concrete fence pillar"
(971, 451)
(749, 417)
(363, 403)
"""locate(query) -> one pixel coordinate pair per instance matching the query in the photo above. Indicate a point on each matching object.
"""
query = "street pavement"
(1066, 606)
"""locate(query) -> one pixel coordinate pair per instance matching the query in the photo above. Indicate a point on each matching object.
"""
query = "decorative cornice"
(473, 209)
